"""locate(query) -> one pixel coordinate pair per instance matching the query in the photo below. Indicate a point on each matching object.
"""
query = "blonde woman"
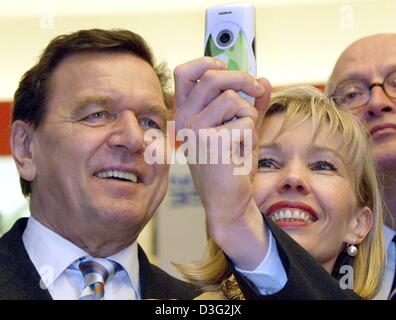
(316, 181)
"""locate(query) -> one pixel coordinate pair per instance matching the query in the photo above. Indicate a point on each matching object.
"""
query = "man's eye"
(267, 163)
(352, 95)
(323, 165)
(390, 80)
(149, 123)
(100, 115)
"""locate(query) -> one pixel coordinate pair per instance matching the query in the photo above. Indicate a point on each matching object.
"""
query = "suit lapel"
(148, 279)
(19, 278)
(157, 284)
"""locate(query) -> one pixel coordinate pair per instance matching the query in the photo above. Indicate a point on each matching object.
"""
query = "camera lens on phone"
(224, 38)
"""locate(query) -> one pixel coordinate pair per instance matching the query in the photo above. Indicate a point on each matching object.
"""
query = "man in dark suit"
(78, 140)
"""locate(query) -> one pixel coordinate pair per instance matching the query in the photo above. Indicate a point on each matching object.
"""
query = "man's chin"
(120, 213)
(385, 157)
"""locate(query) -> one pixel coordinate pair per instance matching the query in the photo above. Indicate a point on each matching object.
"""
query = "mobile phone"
(230, 32)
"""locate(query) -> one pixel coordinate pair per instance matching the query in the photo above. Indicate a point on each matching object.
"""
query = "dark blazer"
(20, 280)
(307, 280)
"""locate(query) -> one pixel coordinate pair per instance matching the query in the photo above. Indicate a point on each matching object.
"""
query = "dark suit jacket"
(307, 280)
(20, 280)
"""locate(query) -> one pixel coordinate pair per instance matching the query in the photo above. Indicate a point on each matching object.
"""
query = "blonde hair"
(300, 104)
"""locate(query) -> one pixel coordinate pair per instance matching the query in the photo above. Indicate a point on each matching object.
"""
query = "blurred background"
(297, 42)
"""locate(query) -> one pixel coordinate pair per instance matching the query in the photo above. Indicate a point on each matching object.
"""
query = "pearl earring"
(352, 250)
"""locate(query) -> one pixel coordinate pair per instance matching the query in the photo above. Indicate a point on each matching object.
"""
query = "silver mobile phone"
(230, 32)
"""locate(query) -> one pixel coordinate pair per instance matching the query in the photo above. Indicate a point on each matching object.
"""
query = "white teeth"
(117, 174)
(296, 214)
(288, 214)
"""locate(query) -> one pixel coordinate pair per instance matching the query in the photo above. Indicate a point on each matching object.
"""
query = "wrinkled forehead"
(369, 59)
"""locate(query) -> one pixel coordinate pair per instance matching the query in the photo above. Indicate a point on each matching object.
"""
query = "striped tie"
(96, 272)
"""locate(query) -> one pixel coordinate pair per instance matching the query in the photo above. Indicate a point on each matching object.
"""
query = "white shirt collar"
(42, 245)
(128, 259)
(389, 234)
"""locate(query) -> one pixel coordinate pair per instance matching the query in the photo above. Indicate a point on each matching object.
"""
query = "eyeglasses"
(352, 94)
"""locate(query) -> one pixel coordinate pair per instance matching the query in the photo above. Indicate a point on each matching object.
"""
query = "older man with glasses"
(364, 80)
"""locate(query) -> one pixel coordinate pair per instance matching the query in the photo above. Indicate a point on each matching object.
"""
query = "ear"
(359, 226)
(22, 149)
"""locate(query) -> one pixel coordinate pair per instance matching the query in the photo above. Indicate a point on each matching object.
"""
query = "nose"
(378, 105)
(127, 134)
(294, 182)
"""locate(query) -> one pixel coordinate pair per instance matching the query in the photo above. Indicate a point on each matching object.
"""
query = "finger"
(242, 129)
(225, 107)
(214, 82)
(262, 103)
(187, 75)
(231, 144)
(243, 142)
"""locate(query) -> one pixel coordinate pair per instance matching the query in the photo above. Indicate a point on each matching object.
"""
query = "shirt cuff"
(270, 276)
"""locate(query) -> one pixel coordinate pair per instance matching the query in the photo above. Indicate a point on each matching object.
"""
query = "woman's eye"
(146, 122)
(267, 163)
(323, 165)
